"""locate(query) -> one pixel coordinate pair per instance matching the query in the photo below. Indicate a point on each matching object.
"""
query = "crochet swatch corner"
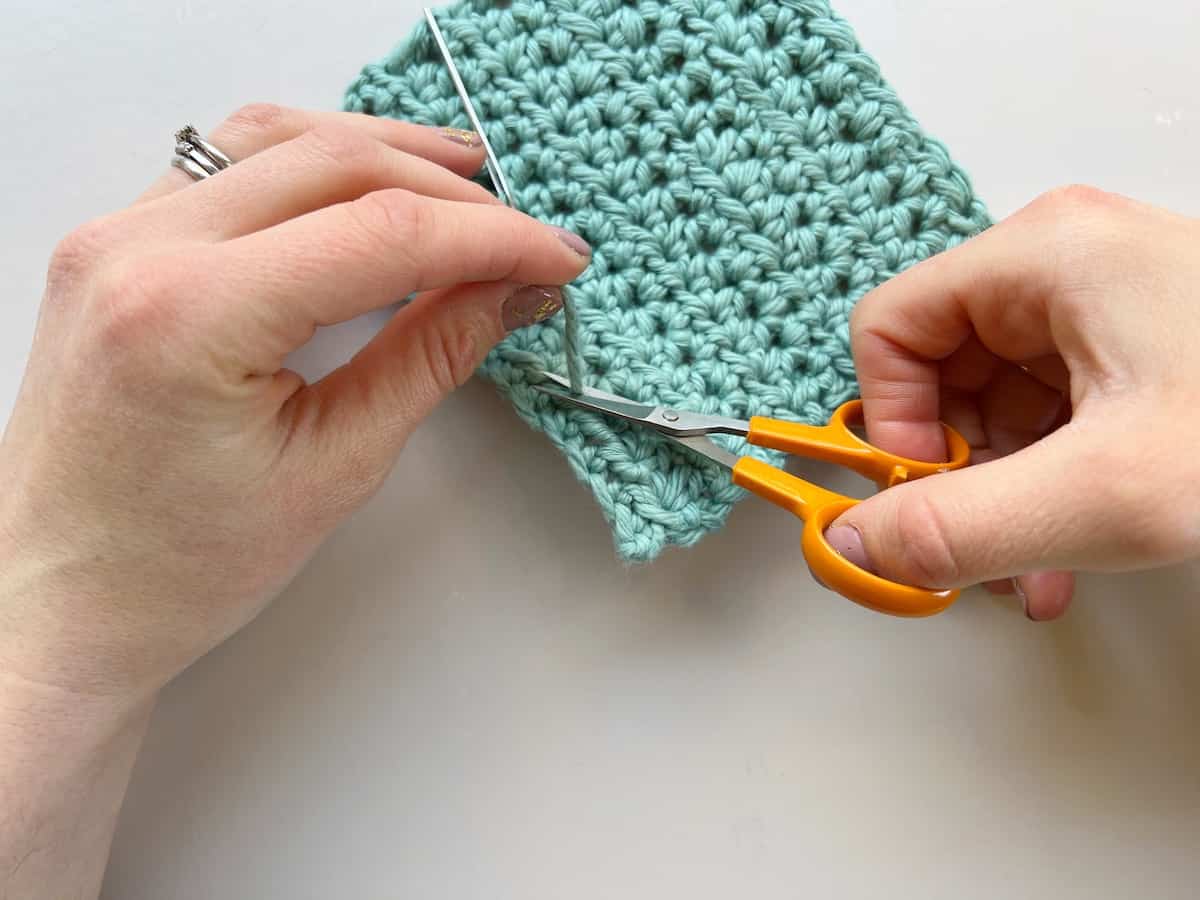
(743, 173)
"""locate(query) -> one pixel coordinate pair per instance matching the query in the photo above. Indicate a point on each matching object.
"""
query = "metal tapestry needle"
(573, 355)
(493, 164)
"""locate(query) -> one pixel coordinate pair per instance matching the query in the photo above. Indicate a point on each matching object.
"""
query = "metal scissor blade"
(593, 393)
(709, 450)
(618, 407)
(597, 401)
(674, 423)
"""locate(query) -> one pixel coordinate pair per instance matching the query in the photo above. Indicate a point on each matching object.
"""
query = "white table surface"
(466, 694)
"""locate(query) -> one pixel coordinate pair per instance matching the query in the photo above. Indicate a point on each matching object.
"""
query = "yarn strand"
(571, 348)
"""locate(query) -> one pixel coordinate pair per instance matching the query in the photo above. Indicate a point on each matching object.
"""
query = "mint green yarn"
(744, 175)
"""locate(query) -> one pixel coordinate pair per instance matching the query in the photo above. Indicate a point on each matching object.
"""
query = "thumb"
(1049, 506)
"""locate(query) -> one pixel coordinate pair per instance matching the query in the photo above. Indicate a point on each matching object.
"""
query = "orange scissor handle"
(837, 443)
(818, 508)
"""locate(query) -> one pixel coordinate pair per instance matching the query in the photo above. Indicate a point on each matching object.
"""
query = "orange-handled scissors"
(817, 506)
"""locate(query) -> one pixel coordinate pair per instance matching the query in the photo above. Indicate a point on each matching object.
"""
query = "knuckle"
(1073, 209)
(132, 303)
(340, 145)
(515, 239)
(450, 353)
(503, 260)
(391, 221)
(1082, 228)
(256, 118)
(929, 557)
(1072, 198)
(80, 251)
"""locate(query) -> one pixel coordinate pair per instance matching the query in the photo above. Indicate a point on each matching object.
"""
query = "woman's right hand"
(1064, 343)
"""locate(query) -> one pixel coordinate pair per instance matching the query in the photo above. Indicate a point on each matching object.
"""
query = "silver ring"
(196, 156)
(197, 173)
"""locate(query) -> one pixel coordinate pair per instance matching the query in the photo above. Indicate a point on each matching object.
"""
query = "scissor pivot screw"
(670, 417)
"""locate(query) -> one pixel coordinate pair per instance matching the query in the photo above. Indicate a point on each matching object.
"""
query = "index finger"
(994, 286)
(342, 261)
(260, 126)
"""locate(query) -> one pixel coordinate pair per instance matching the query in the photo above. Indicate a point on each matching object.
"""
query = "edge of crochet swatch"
(744, 174)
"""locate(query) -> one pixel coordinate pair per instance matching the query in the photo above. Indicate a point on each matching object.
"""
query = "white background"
(466, 695)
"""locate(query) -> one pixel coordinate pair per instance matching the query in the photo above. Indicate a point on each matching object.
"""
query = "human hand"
(164, 476)
(1062, 344)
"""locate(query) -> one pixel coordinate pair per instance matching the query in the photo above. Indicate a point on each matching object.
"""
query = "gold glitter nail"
(548, 307)
(530, 305)
(460, 136)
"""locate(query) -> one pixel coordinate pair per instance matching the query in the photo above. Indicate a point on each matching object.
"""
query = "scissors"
(817, 506)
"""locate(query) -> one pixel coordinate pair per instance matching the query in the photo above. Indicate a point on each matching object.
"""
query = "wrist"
(46, 726)
(52, 626)
(54, 695)
(54, 691)
(65, 763)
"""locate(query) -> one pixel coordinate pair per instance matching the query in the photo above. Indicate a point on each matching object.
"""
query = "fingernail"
(530, 305)
(572, 240)
(460, 136)
(1020, 592)
(848, 542)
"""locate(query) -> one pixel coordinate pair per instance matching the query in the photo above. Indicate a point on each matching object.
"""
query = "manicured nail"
(847, 541)
(572, 240)
(461, 137)
(530, 305)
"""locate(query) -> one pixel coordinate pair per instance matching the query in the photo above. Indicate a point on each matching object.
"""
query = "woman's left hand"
(164, 475)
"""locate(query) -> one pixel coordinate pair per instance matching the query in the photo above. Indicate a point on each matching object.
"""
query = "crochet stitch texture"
(744, 175)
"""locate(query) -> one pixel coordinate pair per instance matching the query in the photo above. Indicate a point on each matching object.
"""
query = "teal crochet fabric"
(744, 175)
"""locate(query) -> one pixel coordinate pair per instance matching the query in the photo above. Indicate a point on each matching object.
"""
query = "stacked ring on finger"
(196, 156)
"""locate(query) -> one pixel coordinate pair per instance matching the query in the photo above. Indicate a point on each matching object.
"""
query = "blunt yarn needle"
(495, 173)
(744, 174)
(571, 346)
